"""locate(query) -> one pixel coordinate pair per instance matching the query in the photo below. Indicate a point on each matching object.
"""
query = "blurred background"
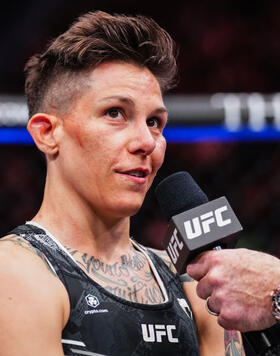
(224, 115)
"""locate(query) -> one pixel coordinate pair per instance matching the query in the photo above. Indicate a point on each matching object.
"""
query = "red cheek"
(79, 140)
(75, 131)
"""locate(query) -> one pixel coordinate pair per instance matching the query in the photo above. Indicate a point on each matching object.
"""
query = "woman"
(97, 113)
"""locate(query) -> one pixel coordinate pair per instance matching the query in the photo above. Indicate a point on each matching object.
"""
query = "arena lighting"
(192, 118)
(214, 133)
(15, 136)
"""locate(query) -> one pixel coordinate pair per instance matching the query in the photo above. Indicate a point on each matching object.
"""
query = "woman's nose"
(142, 140)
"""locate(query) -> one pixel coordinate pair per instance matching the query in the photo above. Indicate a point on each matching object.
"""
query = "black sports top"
(101, 323)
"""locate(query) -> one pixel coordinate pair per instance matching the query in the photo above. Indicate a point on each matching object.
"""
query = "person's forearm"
(233, 343)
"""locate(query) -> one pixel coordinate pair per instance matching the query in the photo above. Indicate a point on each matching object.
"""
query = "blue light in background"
(185, 134)
(173, 134)
(15, 136)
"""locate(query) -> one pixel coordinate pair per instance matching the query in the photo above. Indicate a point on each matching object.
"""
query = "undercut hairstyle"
(58, 76)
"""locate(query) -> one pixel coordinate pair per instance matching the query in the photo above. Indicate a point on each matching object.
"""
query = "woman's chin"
(127, 210)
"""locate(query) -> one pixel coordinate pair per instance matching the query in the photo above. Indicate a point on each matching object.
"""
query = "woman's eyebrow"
(126, 100)
(121, 98)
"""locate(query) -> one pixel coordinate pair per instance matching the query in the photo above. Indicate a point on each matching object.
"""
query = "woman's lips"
(136, 175)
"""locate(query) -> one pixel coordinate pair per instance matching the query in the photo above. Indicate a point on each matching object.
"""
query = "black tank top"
(102, 323)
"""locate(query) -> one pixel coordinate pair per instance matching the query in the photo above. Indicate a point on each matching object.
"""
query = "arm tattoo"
(233, 344)
(20, 241)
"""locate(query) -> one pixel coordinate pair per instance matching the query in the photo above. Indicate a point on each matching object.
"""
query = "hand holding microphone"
(238, 281)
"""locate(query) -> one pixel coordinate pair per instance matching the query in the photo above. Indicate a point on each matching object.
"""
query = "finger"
(207, 286)
(231, 317)
(228, 323)
(211, 308)
(203, 289)
(199, 267)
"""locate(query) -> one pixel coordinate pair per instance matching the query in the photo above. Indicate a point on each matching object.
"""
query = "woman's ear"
(42, 127)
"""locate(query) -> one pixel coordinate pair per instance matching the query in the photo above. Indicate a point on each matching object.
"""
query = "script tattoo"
(233, 344)
(129, 277)
(142, 290)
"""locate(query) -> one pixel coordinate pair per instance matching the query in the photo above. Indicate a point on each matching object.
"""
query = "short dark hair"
(94, 38)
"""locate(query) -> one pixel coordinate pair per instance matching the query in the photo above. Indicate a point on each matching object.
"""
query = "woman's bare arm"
(33, 302)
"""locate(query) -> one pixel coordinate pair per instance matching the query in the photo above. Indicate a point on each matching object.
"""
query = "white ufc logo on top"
(196, 226)
(155, 333)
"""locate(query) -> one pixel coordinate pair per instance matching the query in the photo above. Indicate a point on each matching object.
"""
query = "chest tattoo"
(129, 277)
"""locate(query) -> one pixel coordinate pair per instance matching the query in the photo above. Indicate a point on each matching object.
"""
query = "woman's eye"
(115, 113)
(154, 122)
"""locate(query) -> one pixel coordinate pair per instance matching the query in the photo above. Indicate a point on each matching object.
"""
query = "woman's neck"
(77, 226)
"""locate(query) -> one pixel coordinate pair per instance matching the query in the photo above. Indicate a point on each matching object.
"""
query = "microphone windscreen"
(178, 193)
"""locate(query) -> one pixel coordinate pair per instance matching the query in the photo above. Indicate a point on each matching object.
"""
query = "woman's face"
(112, 144)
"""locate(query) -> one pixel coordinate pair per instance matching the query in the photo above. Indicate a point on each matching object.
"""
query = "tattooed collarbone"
(129, 277)
(124, 266)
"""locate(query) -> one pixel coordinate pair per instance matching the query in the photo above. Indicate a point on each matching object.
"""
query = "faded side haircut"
(56, 77)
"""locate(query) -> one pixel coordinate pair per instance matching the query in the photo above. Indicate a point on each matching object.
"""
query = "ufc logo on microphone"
(201, 224)
(155, 333)
(173, 247)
